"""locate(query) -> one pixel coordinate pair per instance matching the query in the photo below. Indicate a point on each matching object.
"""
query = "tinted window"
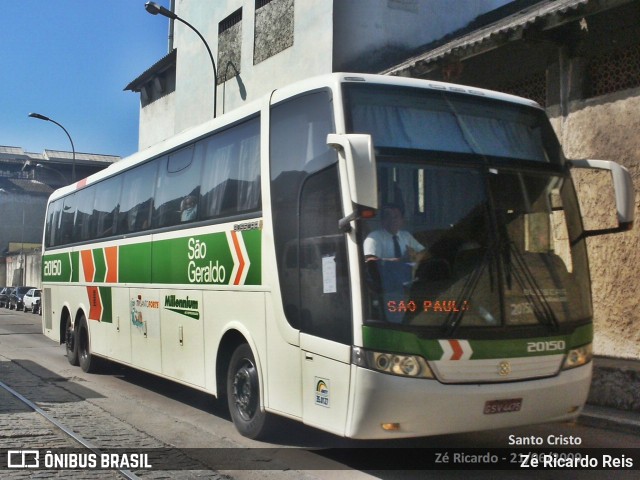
(53, 222)
(306, 207)
(67, 219)
(84, 210)
(231, 175)
(105, 209)
(423, 119)
(137, 198)
(215, 177)
(323, 269)
(178, 188)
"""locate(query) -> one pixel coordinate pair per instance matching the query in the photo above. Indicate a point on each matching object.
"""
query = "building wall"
(591, 88)
(192, 102)
(157, 121)
(371, 34)
(22, 218)
(606, 127)
(24, 270)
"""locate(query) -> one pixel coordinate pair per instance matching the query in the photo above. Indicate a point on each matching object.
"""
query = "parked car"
(37, 307)
(30, 299)
(4, 296)
(16, 298)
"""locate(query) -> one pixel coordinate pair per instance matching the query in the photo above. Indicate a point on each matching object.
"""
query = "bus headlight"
(392, 363)
(577, 357)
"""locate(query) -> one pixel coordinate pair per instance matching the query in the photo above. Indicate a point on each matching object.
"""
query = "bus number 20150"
(52, 268)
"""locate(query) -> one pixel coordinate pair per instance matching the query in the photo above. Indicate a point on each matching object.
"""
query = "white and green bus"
(239, 258)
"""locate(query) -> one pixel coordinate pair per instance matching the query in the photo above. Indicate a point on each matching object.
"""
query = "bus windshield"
(419, 119)
(478, 226)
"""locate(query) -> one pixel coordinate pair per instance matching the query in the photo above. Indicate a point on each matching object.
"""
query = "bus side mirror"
(361, 166)
(623, 189)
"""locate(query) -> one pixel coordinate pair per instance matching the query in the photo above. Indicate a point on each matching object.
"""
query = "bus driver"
(390, 242)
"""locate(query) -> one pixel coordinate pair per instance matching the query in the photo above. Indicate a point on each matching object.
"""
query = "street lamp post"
(73, 148)
(155, 9)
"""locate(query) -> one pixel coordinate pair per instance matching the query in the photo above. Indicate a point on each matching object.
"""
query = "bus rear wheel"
(243, 395)
(85, 358)
(71, 344)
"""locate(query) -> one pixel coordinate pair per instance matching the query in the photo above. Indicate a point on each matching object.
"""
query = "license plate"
(502, 406)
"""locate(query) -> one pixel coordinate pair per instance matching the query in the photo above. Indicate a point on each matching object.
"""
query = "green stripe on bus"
(107, 306)
(208, 259)
(75, 266)
(386, 340)
(60, 267)
(199, 259)
(100, 265)
(134, 263)
(253, 243)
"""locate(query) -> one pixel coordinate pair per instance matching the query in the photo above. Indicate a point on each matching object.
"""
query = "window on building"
(274, 23)
(229, 46)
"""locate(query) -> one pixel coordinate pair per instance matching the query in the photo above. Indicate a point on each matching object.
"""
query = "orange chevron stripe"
(457, 350)
(95, 303)
(111, 256)
(88, 266)
(236, 246)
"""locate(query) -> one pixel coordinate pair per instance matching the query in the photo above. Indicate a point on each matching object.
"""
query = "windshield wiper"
(534, 294)
(454, 318)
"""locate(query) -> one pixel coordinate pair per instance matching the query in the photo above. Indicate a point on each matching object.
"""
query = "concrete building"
(260, 45)
(26, 181)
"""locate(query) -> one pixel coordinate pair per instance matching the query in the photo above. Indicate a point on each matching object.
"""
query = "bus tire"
(71, 345)
(243, 394)
(85, 358)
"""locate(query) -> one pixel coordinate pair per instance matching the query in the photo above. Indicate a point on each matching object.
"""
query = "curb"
(610, 419)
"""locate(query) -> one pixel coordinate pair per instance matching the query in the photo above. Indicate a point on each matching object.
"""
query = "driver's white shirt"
(380, 243)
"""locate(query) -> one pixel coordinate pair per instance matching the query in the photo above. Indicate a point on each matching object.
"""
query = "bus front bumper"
(388, 406)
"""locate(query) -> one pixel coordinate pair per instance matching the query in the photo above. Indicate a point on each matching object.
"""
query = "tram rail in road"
(68, 431)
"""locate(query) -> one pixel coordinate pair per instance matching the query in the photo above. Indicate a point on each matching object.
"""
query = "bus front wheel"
(85, 358)
(243, 394)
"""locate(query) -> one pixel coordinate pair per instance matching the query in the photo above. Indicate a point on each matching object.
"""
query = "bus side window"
(231, 173)
(306, 208)
(84, 211)
(67, 219)
(178, 188)
(106, 207)
(52, 234)
(137, 198)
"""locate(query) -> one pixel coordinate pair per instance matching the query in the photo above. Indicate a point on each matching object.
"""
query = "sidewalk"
(614, 399)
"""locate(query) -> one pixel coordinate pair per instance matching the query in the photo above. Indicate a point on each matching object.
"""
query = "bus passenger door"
(324, 304)
(311, 252)
(325, 383)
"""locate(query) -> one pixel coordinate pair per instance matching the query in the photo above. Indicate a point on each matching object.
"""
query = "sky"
(70, 61)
